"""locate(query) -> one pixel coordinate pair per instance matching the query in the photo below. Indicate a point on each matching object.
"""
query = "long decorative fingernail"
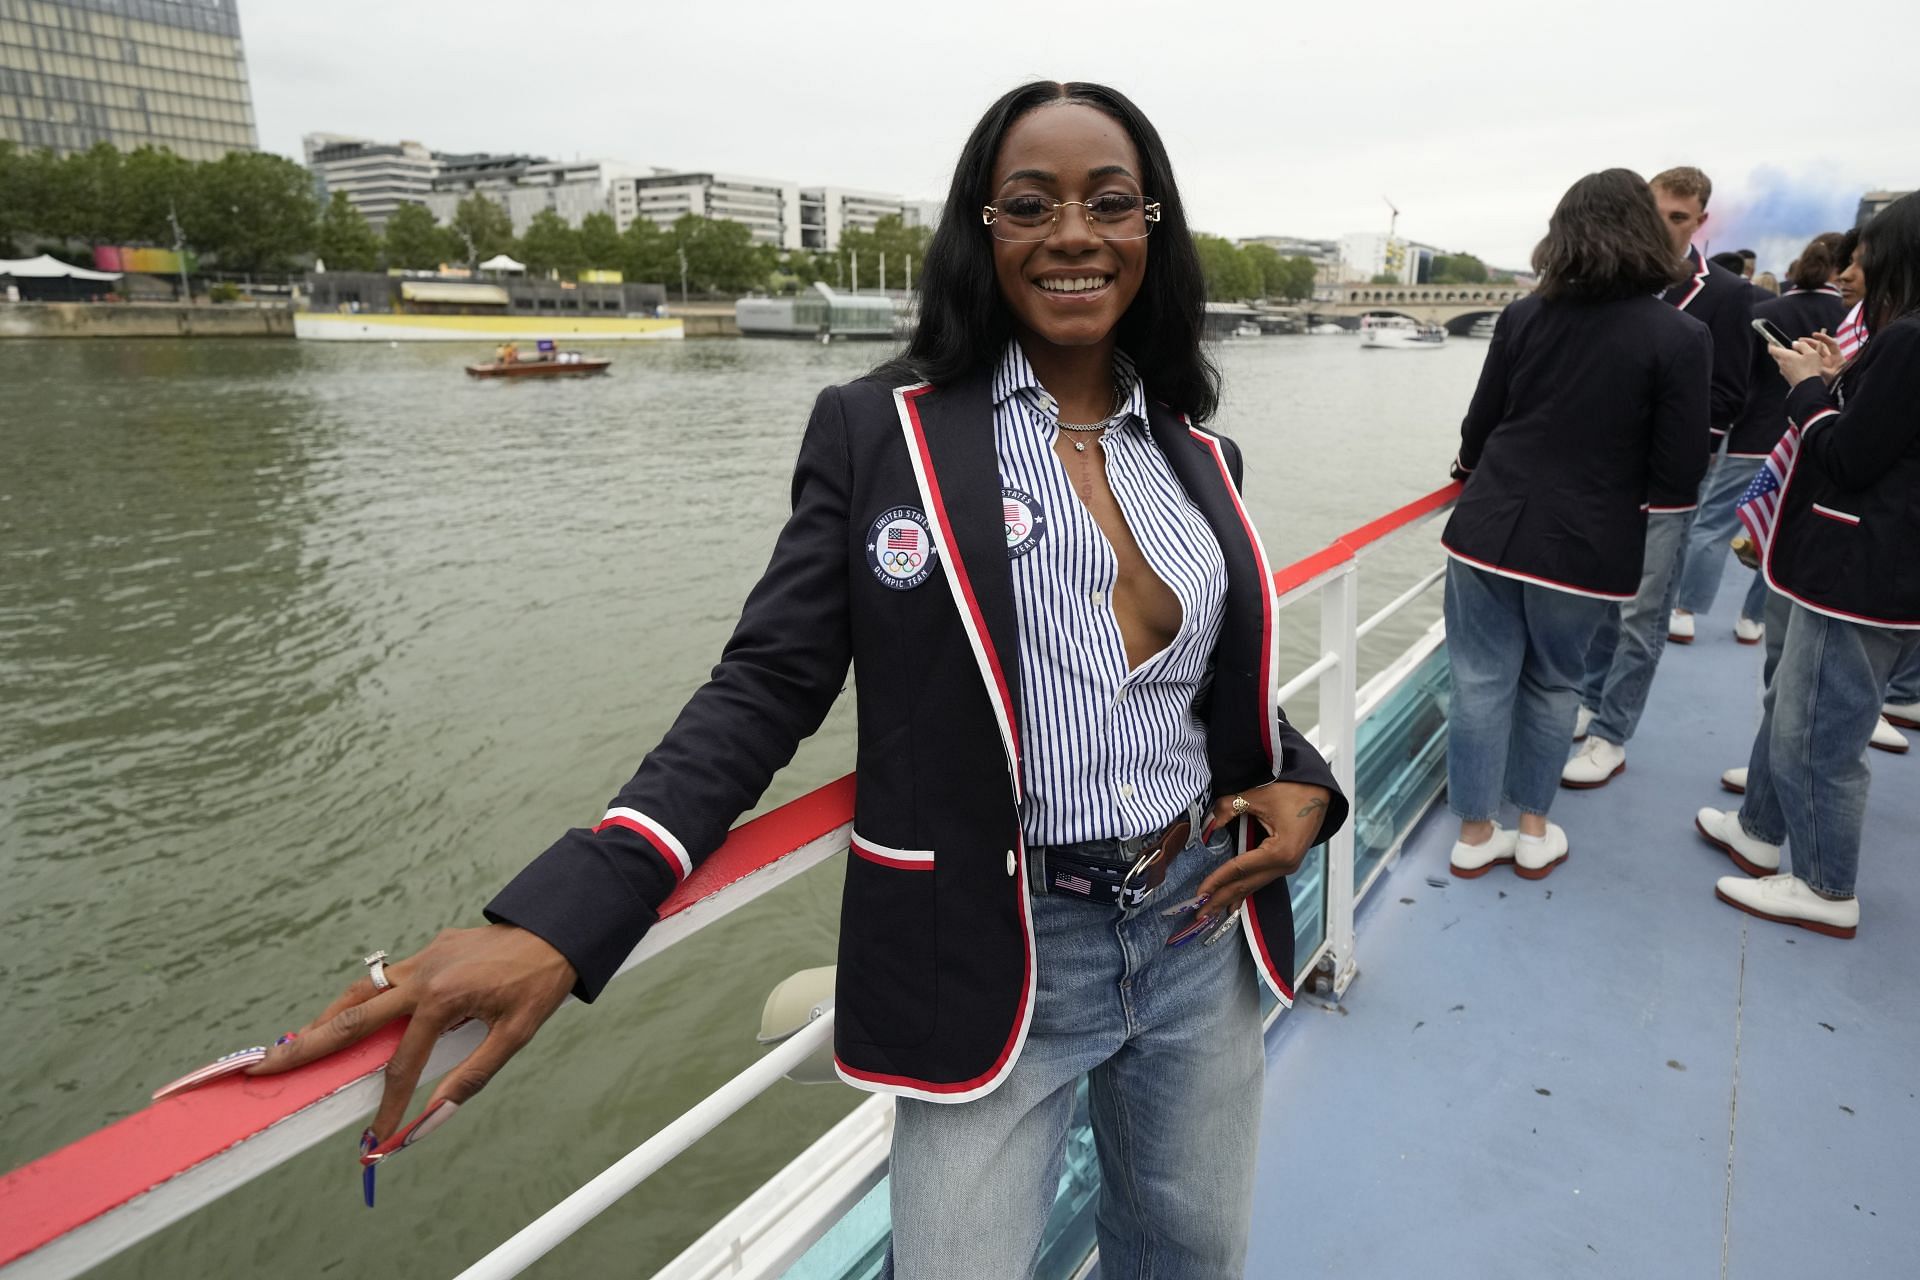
(288, 1038)
(1191, 904)
(1190, 931)
(414, 1133)
(1226, 927)
(224, 1065)
(367, 1143)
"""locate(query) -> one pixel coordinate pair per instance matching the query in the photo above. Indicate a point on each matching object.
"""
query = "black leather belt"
(1122, 871)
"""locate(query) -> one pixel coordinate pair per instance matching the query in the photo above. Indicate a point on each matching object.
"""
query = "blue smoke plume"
(1775, 213)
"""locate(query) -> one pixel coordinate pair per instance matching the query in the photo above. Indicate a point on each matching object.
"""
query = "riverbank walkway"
(1608, 1072)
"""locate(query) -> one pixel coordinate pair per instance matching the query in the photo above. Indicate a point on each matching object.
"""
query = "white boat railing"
(72, 1209)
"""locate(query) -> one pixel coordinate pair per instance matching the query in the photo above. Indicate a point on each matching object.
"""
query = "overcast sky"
(1281, 117)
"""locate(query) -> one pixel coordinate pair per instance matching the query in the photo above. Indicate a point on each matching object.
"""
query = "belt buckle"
(1156, 851)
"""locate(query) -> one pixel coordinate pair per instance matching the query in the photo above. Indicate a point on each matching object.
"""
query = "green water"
(306, 648)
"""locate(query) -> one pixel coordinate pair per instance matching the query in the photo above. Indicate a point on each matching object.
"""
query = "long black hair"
(1605, 240)
(964, 322)
(1890, 260)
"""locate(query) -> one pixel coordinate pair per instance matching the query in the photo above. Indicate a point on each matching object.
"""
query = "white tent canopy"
(501, 262)
(48, 267)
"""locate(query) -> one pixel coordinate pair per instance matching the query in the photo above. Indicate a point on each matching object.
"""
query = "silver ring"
(377, 970)
(1240, 805)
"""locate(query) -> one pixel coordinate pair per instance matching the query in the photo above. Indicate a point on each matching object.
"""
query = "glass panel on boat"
(1400, 764)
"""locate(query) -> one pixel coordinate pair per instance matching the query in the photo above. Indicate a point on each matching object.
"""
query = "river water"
(306, 648)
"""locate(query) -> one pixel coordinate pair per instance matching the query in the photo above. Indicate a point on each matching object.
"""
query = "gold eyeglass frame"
(1150, 210)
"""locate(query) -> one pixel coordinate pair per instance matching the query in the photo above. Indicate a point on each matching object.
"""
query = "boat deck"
(1608, 1072)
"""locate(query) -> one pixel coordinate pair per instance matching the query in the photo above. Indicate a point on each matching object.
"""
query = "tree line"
(1248, 272)
(257, 212)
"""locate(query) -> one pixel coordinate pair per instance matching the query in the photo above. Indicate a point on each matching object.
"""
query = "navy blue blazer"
(1764, 419)
(1848, 540)
(1586, 415)
(937, 975)
(1723, 302)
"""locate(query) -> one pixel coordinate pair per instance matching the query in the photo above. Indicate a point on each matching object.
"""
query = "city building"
(827, 213)
(134, 73)
(376, 177)
(1365, 255)
(923, 213)
(1323, 254)
(526, 185)
(769, 207)
(1873, 202)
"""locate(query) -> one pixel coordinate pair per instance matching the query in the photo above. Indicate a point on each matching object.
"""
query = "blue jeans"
(1626, 649)
(1170, 1040)
(1807, 777)
(1713, 528)
(1904, 688)
(1515, 649)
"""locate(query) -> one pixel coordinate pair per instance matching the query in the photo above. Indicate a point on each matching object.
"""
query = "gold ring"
(1240, 805)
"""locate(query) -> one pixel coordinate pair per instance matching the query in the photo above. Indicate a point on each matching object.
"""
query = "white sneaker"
(1904, 714)
(1887, 738)
(1735, 780)
(1680, 627)
(1593, 765)
(1788, 900)
(1723, 830)
(1581, 722)
(1747, 631)
(1471, 861)
(1535, 857)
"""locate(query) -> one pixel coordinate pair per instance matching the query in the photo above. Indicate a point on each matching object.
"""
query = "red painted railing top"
(41, 1201)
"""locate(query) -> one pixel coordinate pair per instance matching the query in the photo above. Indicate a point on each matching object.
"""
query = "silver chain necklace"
(1119, 411)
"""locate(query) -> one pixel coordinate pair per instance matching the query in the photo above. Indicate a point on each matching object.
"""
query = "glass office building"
(164, 73)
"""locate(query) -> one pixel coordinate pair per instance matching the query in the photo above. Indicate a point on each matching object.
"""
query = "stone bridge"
(1456, 306)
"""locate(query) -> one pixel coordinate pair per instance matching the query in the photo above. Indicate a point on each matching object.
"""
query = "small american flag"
(1853, 332)
(1011, 512)
(1759, 507)
(903, 538)
(1072, 883)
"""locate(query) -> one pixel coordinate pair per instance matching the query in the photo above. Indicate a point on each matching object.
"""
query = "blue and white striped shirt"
(1108, 752)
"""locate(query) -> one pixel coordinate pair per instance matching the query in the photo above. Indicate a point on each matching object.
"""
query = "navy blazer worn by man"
(937, 977)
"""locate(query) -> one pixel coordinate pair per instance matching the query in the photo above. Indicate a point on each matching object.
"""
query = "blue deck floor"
(1608, 1072)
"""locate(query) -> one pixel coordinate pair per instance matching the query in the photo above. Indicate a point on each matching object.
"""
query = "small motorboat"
(547, 363)
(558, 367)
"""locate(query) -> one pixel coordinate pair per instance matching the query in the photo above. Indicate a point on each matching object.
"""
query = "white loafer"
(1471, 861)
(1535, 857)
(1747, 631)
(1735, 780)
(1680, 627)
(1887, 738)
(1788, 900)
(1594, 765)
(1904, 714)
(1724, 832)
(1581, 722)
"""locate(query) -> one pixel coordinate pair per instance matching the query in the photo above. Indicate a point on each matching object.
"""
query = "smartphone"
(1771, 332)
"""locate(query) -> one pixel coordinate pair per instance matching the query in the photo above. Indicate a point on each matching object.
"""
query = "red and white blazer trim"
(1844, 517)
(663, 840)
(887, 856)
(1269, 648)
(1533, 578)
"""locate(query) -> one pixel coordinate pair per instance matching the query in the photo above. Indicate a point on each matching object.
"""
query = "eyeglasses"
(1113, 216)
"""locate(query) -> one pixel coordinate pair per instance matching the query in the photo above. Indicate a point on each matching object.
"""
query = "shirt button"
(1126, 791)
(1013, 864)
(1099, 598)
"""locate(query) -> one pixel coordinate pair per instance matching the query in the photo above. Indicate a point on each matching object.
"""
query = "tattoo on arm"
(1311, 805)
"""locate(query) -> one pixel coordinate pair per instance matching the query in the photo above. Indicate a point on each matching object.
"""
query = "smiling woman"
(1071, 760)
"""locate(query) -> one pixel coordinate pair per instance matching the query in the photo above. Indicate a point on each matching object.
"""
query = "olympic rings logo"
(902, 560)
(1016, 530)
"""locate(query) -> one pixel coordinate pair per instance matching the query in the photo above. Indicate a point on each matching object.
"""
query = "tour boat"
(1389, 333)
(1606, 1072)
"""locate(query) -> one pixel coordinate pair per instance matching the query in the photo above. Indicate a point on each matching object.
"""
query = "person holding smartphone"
(1843, 556)
(1592, 405)
(1811, 305)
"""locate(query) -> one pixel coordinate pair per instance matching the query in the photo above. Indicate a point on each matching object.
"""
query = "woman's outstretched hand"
(1805, 359)
(504, 976)
(1291, 812)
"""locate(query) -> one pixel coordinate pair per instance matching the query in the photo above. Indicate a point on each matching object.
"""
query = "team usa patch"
(900, 548)
(1025, 521)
